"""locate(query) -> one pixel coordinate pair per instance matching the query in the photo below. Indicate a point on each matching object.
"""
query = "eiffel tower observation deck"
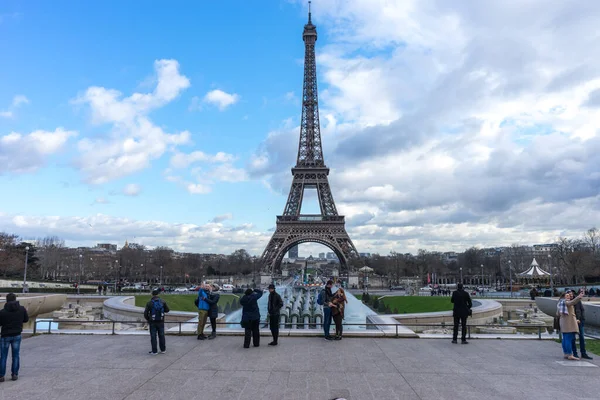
(310, 172)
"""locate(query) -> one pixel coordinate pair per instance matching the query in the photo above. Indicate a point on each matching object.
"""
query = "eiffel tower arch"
(328, 227)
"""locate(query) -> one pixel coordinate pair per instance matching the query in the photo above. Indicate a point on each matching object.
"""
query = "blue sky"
(178, 124)
(60, 49)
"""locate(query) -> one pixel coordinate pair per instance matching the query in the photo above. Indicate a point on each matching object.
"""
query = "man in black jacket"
(251, 316)
(274, 308)
(155, 315)
(580, 314)
(462, 309)
(11, 319)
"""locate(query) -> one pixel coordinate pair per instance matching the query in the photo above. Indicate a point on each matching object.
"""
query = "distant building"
(107, 246)
(322, 256)
(331, 256)
(365, 255)
(293, 253)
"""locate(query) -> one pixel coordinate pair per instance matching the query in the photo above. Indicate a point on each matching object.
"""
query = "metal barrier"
(265, 324)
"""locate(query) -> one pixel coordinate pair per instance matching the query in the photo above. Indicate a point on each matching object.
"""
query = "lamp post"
(510, 275)
(482, 282)
(161, 267)
(551, 274)
(25, 273)
(80, 269)
(461, 280)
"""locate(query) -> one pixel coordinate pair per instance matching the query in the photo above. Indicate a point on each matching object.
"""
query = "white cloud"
(221, 218)
(26, 153)
(221, 99)
(185, 237)
(101, 200)
(17, 101)
(132, 189)
(446, 129)
(133, 140)
(182, 160)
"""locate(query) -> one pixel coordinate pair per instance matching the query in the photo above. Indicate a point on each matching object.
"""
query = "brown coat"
(568, 323)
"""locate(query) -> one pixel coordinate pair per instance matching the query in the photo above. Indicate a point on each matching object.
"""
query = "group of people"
(571, 315)
(334, 305)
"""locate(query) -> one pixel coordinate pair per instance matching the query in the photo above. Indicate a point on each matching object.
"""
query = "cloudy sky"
(445, 124)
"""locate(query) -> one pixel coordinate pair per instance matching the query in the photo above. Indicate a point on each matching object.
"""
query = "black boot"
(212, 335)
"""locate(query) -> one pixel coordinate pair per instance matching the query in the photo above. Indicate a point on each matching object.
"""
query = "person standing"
(338, 306)
(568, 322)
(12, 318)
(212, 299)
(203, 308)
(580, 315)
(274, 308)
(251, 316)
(155, 315)
(327, 297)
(461, 310)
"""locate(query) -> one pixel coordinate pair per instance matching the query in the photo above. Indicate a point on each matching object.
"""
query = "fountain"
(300, 309)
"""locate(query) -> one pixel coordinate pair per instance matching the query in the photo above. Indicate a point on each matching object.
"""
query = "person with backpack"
(12, 318)
(325, 297)
(274, 308)
(203, 308)
(155, 315)
(251, 316)
(212, 299)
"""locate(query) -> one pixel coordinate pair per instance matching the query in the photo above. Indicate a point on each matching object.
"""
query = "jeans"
(463, 323)
(157, 328)
(274, 325)
(252, 330)
(14, 342)
(202, 315)
(326, 320)
(581, 339)
(567, 342)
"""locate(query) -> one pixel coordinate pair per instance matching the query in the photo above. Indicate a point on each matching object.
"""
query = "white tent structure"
(534, 272)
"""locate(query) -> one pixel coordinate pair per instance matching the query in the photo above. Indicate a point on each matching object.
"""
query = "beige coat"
(568, 323)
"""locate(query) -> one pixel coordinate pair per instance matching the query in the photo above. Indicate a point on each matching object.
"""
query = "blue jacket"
(202, 304)
(250, 311)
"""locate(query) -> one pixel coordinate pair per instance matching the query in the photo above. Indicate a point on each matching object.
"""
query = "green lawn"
(417, 304)
(184, 302)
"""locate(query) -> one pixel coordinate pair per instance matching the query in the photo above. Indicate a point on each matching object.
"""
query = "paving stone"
(119, 367)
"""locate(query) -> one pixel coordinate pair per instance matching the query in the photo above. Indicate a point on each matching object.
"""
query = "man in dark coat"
(155, 315)
(580, 315)
(251, 316)
(12, 318)
(327, 297)
(462, 309)
(274, 308)
(212, 299)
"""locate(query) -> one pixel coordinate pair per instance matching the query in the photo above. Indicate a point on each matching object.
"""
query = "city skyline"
(445, 127)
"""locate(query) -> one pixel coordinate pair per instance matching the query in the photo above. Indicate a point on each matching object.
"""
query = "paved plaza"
(119, 367)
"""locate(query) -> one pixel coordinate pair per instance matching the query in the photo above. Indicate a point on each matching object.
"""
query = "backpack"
(157, 312)
(320, 297)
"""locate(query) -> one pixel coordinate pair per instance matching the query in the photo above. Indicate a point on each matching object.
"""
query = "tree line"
(571, 260)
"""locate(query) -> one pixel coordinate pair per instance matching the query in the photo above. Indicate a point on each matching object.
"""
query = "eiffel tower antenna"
(293, 228)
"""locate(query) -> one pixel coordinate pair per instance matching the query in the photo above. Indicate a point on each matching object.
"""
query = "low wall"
(484, 312)
(123, 308)
(37, 304)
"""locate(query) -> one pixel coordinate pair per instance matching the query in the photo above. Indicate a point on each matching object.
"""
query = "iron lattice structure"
(327, 228)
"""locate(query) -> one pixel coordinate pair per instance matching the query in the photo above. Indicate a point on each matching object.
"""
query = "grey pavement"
(119, 367)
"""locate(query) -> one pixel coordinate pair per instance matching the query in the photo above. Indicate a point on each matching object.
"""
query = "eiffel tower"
(326, 228)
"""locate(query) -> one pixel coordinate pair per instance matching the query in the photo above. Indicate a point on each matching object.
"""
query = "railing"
(264, 324)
